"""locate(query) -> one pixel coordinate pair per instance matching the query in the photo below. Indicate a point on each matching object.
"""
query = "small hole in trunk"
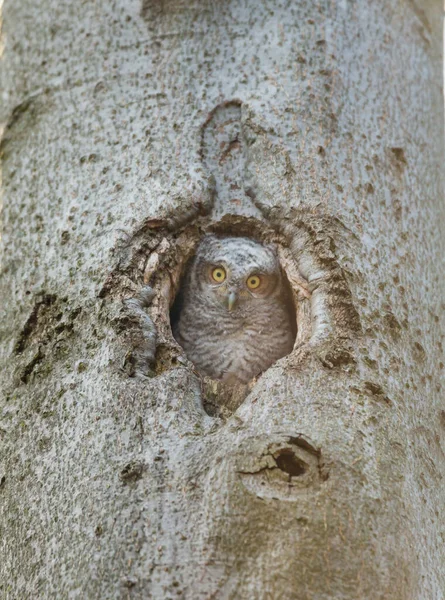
(289, 463)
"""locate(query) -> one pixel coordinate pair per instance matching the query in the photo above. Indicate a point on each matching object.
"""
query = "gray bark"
(325, 479)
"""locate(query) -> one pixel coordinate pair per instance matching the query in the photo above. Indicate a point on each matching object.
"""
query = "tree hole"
(290, 464)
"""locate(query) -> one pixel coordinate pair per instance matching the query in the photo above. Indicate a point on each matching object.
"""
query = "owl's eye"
(218, 274)
(253, 282)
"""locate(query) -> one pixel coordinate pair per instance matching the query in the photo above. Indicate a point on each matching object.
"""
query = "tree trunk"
(130, 131)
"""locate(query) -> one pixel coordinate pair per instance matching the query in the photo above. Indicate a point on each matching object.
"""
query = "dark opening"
(176, 308)
(289, 463)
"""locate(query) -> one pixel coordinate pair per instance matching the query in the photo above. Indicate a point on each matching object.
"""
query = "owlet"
(235, 317)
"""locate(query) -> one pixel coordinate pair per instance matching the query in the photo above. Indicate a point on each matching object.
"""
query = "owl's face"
(235, 272)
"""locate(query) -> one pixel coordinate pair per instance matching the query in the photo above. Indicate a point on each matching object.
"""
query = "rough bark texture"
(125, 126)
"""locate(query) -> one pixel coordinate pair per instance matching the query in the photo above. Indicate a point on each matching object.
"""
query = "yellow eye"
(218, 274)
(253, 282)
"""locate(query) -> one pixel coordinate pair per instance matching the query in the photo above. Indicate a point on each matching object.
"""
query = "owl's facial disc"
(235, 285)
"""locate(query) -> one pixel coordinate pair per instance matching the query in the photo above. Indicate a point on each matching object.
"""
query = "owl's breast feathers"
(237, 344)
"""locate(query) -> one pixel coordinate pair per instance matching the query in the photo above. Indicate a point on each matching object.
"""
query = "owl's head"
(235, 271)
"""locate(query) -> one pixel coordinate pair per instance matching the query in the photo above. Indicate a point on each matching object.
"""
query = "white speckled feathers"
(234, 340)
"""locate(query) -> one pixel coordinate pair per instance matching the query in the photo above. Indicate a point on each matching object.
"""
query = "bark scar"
(32, 321)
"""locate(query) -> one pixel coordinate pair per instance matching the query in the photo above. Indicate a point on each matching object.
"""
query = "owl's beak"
(231, 300)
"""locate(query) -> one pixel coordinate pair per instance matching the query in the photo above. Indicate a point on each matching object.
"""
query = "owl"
(234, 316)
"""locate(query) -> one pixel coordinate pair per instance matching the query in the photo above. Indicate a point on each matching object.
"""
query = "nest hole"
(289, 463)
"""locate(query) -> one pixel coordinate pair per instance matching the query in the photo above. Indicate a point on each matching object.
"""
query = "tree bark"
(132, 129)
